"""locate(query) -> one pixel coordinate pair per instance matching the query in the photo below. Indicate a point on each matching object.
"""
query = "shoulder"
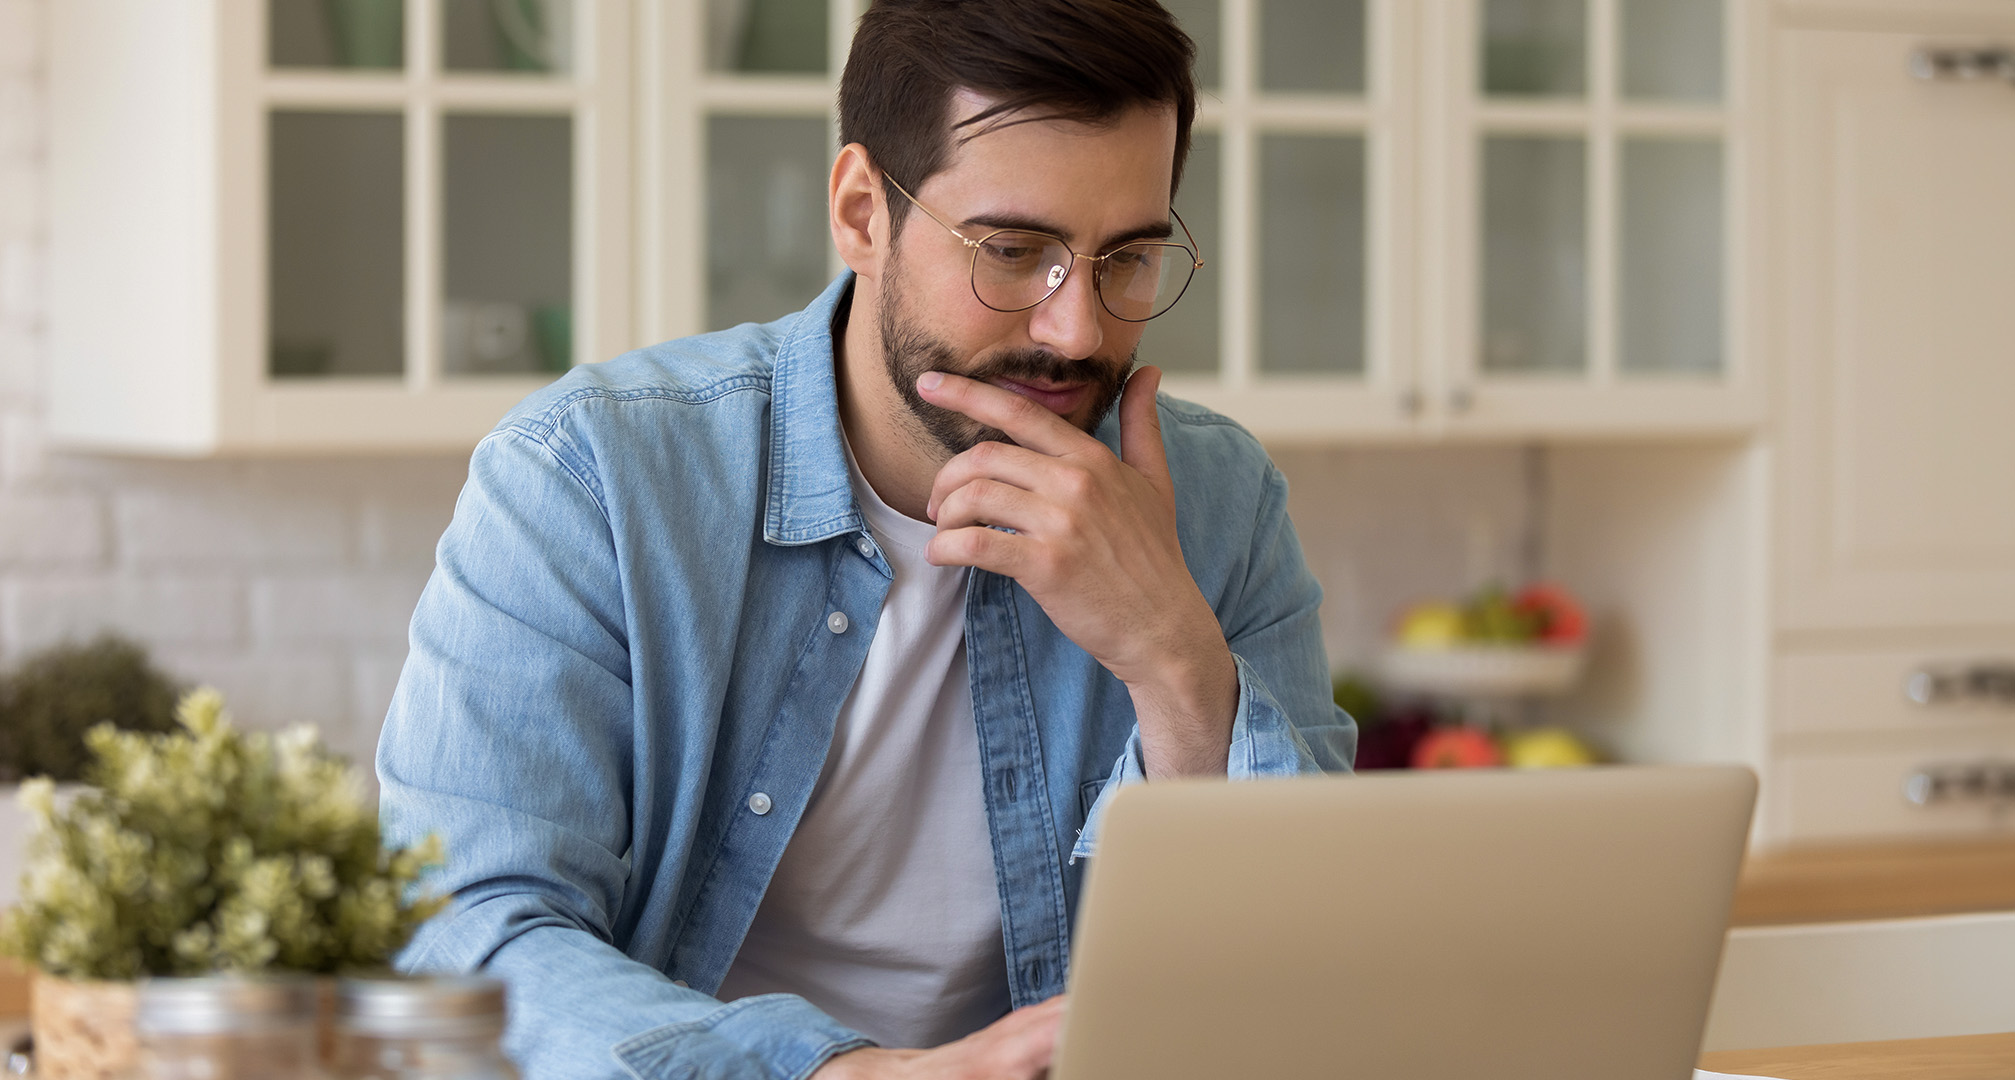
(690, 371)
(1209, 448)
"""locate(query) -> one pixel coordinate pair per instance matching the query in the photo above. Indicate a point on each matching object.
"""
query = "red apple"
(1561, 620)
(1456, 748)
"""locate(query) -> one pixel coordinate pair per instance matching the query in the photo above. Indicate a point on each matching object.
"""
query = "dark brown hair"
(1081, 60)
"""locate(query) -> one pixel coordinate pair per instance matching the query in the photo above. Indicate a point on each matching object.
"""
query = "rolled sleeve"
(1264, 742)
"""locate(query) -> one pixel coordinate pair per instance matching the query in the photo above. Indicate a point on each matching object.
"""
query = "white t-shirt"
(884, 911)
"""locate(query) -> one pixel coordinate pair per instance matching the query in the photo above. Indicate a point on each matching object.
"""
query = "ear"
(858, 208)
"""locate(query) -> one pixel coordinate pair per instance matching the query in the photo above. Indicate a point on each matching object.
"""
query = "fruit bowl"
(1489, 671)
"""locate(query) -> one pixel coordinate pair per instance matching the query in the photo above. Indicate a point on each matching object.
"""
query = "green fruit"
(1492, 617)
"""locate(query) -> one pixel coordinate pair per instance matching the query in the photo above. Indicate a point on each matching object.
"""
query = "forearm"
(1186, 713)
(581, 1008)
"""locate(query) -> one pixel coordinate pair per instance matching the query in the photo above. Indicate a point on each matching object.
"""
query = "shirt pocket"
(1087, 794)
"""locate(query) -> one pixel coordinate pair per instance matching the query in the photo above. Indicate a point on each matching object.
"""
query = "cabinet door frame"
(426, 408)
(1467, 403)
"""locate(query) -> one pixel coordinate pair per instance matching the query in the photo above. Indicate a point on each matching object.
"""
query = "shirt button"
(759, 804)
(837, 622)
(866, 547)
(680, 983)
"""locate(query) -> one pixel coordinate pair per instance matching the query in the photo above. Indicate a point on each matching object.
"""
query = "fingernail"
(929, 380)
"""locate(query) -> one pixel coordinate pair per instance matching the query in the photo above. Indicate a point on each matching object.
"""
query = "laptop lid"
(1479, 925)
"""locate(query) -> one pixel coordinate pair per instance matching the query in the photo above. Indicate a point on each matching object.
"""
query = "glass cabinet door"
(336, 266)
(427, 236)
(1596, 143)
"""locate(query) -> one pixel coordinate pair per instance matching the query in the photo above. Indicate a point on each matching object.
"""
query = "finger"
(990, 502)
(1140, 442)
(1020, 1045)
(1003, 553)
(1026, 422)
(1010, 464)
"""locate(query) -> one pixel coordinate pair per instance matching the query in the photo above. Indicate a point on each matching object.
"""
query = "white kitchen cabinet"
(1421, 218)
(1893, 513)
(307, 226)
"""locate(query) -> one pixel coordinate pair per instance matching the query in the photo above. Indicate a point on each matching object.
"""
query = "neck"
(899, 459)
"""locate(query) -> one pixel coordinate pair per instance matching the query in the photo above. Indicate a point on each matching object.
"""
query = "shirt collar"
(810, 497)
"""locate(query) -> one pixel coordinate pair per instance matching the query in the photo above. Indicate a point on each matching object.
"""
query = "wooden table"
(1875, 881)
(1963, 1057)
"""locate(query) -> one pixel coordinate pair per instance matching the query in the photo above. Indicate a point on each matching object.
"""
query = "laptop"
(1467, 925)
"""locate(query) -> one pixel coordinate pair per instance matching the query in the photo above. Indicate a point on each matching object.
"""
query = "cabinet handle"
(1963, 65)
(1993, 681)
(1986, 781)
(1411, 402)
(1461, 400)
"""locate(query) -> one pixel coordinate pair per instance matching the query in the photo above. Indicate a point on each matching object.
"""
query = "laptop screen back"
(1472, 925)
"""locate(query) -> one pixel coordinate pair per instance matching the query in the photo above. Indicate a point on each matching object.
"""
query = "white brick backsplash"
(368, 609)
(39, 530)
(232, 526)
(400, 528)
(377, 676)
(43, 609)
(267, 691)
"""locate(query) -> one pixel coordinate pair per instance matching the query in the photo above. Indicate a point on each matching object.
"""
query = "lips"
(1060, 398)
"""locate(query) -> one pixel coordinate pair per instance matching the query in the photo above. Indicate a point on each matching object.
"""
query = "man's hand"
(1018, 1046)
(1094, 543)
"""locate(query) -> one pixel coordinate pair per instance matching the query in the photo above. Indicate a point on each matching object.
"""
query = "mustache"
(1034, 365)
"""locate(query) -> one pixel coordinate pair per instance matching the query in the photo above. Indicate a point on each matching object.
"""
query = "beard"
(909, 350)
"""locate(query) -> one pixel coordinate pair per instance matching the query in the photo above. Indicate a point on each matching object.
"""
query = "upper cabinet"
(1589, 261)
(325, 225)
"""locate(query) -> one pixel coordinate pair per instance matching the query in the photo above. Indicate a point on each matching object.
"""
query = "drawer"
(1845, 691)
(1860, 795)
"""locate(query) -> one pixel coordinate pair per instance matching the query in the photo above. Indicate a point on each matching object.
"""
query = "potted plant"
(192, 852)
(47, 705)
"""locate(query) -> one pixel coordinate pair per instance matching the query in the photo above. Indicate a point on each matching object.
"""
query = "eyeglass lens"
(1017, 270)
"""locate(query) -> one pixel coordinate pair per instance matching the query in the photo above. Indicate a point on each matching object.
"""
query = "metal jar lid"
(394, 1006)
(222, 1004)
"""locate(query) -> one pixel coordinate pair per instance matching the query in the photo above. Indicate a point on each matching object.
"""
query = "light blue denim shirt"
(655, 594)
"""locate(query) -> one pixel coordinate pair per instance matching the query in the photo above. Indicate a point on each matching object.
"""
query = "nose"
(1069, 323)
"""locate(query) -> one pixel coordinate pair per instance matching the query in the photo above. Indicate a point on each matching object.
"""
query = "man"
(770, 681)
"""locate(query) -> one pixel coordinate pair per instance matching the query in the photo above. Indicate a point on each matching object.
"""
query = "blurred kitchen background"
(1701, 308)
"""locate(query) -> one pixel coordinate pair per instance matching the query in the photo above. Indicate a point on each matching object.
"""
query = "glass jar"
(395, 1028)
(227, 1028)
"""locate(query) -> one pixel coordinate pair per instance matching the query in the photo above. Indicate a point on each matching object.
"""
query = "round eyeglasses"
(1016, 269)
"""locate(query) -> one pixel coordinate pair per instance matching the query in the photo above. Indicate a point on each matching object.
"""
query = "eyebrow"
(1160, 230)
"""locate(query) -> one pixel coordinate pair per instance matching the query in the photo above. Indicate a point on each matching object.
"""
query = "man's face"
(1092, 185)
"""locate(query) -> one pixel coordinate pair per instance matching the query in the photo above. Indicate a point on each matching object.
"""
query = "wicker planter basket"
(83, 1030)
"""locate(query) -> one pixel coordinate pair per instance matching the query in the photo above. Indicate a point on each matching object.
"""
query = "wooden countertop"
(1875, 881)
(1964, 1057)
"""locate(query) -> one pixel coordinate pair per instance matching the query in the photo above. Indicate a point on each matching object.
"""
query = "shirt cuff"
(766, 1037)
(1264, 742)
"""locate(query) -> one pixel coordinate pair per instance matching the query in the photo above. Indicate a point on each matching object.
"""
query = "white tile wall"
(288, 584)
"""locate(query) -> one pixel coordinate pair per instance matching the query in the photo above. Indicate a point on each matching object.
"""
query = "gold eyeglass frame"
(972, 269)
